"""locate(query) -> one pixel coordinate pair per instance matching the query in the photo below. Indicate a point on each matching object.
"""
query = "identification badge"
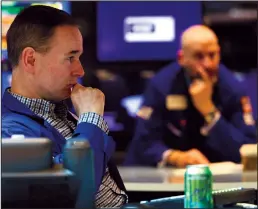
(144, 112)
(248, 118)
(176, 102)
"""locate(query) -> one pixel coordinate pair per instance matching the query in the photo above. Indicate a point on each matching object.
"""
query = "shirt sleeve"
(94, 118)
(165, 155)
(206, 129)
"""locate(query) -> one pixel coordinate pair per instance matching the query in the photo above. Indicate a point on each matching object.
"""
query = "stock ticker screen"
(142, 31)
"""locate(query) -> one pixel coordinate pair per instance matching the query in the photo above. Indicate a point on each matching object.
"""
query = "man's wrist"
(210, 116)
(173, 157)
(94, 118)
(209, 107)
(210, 123)
(163, 161)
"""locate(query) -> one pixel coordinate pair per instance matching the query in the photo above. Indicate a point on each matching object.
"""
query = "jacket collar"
(11, 104)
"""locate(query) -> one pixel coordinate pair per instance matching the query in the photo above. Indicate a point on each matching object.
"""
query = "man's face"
(57, 71)
(205, 54)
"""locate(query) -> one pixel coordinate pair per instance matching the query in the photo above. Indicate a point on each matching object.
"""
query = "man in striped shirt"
(44, 46)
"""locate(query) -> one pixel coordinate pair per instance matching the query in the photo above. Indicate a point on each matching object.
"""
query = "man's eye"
(212, 55)
(199, 56)
(71, 58)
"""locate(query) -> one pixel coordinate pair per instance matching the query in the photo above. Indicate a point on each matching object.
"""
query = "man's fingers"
(196, 86)
(77, 86)
(202, 159)
(199, 157)
(192, 161)
(202, 73)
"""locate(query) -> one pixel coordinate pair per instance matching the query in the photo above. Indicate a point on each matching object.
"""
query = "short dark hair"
(34, 27)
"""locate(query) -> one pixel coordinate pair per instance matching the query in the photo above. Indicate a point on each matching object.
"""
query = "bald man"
(194, 111)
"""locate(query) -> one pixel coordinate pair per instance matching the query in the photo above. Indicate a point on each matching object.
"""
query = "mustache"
(208, 71)
(211, 73)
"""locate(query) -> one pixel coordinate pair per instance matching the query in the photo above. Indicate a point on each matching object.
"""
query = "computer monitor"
(30, 180)
(11, 8)
(221, 199)
(142, 31)
(26, 154)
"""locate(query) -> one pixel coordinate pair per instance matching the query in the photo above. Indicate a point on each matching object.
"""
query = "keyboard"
(221, 198)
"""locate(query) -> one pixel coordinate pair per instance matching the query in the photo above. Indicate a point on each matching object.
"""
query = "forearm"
(225, 139)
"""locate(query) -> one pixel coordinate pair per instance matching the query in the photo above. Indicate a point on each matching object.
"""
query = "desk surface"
(146, 179)
(225, 175)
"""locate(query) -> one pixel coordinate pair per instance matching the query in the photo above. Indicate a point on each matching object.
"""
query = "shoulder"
(230, 84)
(13, 116)
(14, 123)
(163, 80)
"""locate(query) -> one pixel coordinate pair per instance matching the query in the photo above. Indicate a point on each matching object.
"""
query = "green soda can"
(198, 187)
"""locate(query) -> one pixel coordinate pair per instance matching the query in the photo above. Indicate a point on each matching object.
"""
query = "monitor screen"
(142, 31)
(20, 154)
(11, 8)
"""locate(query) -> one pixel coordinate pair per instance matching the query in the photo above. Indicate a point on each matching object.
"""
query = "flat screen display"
(142, 31)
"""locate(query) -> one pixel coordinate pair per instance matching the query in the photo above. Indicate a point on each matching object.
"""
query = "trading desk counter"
(160, 182)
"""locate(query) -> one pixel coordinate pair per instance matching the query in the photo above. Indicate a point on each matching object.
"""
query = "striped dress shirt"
(108, 195)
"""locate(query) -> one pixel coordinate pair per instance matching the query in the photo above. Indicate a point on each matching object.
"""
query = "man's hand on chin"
(201, 92)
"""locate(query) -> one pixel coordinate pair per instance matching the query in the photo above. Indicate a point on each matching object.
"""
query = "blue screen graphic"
(131, 31)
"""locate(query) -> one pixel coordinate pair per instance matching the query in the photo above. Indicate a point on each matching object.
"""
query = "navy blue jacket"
(17, 118)
(170, 129)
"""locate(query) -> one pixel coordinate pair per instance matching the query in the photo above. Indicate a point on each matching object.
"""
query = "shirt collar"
(42, 107)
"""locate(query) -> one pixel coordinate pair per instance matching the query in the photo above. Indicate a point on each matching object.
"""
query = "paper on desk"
(216, 168)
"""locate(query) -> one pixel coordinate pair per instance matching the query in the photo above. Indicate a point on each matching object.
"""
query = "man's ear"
(180, 56)
(28, 59)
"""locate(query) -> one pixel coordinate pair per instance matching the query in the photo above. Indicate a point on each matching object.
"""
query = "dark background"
(237, 36)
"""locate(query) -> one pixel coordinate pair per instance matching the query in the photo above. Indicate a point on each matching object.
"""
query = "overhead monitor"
(142, 31)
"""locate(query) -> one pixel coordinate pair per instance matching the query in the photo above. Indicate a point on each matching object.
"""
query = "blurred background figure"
(194, 111)
(6, 75)
(131, 53)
